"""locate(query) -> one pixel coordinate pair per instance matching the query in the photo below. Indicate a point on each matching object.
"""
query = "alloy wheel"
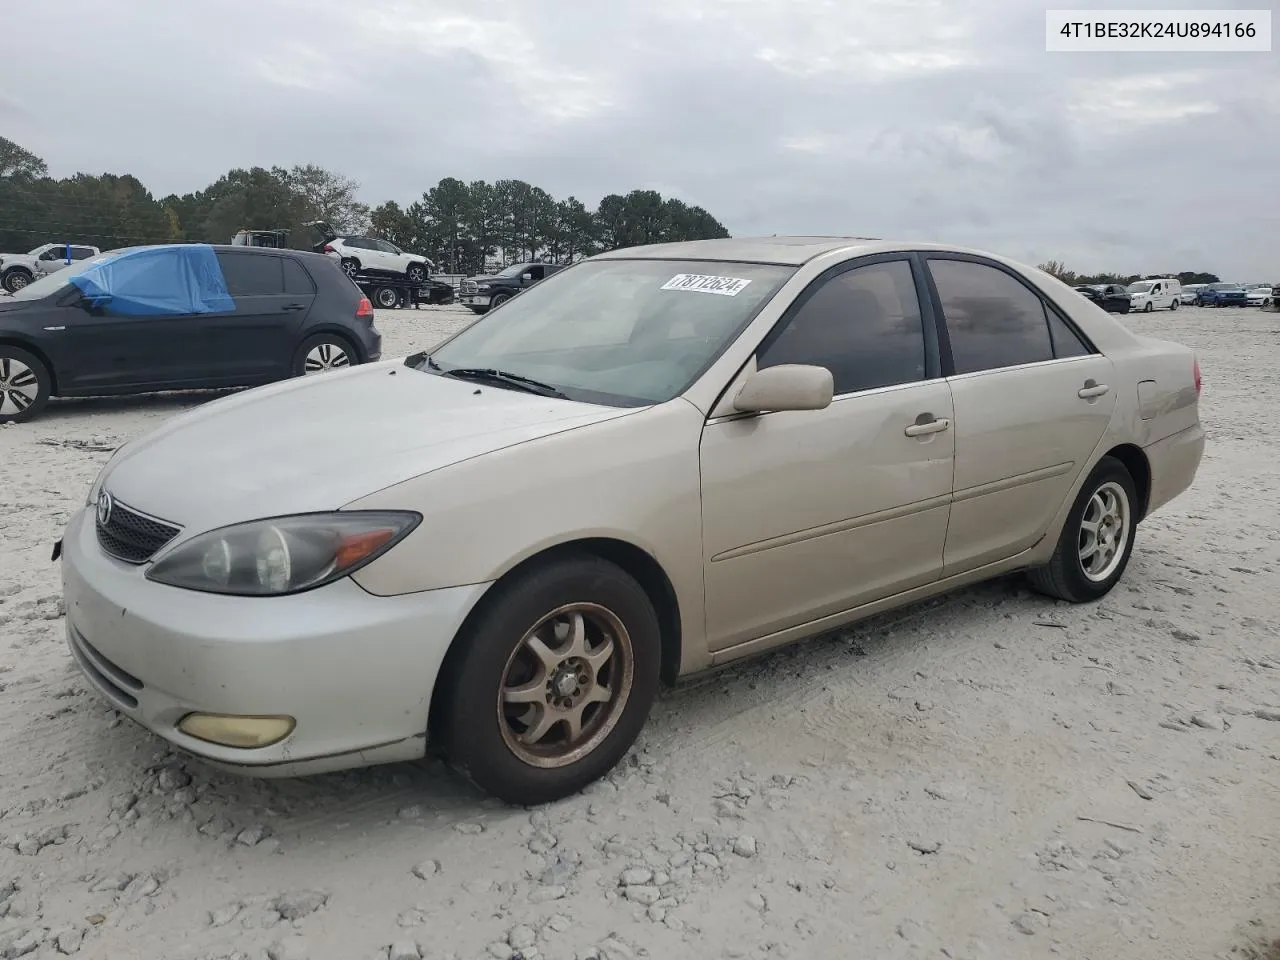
(19, 386)
(325, 356)
(1104, 531)
(566, 685)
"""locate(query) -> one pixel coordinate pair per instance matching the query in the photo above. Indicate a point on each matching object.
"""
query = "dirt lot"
(990, 775)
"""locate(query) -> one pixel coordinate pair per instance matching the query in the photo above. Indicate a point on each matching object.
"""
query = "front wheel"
(24, 384)
(1097, 538)
(416, 273)
(1148, 308)
(351, 267)
(1174, 305)
(498, 301)
(550, 683)
(15, 278)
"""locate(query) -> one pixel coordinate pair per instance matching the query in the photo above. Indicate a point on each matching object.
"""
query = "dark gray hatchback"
(294, 313)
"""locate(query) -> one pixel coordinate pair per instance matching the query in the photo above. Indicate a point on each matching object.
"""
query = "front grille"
(132, 536)
(469, 286)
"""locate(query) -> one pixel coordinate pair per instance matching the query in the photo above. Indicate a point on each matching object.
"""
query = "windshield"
(1142, 286)
(53, 282)
(1223, 286)
(619, 332)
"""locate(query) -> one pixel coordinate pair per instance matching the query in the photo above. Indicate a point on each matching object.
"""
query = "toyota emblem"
(105, 503)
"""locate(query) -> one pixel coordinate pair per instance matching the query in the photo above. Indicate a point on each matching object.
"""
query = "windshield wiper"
(491, 375)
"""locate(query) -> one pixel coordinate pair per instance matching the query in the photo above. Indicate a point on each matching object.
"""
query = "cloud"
(918, 119)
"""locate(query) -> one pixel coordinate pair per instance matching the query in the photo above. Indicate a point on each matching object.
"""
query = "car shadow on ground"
(68, 410)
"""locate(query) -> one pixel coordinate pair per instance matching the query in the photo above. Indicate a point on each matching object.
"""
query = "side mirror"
(789, 386)
(526, 277)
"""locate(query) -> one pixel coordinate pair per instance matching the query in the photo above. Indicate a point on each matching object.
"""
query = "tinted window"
(81, 253)
(251, 276)
(994, 321)
(296, 279)
(536, 273)
(387, 247)
(863, 325)
(1066, 342)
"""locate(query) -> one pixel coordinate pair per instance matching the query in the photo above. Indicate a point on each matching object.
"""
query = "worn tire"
(15, 278)
(332, 340)
(1063, 576)
(466, 719)
(10, 358)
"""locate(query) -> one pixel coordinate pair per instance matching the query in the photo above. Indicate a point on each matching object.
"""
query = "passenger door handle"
(295, 306)
(1092, 389)
(924, 428)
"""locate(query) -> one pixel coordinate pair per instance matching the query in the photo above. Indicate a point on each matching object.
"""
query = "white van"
(1162, 294)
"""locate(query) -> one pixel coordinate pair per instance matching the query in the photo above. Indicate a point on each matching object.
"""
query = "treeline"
(1057, 269)
(463, 227)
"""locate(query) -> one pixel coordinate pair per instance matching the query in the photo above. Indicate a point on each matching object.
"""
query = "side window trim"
(944, 336)
(933, 369)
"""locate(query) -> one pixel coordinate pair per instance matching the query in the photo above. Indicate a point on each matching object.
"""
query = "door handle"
(919, 429)
(1091, 389)
(295, 306)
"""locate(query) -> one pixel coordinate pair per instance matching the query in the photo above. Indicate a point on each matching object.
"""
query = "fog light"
(242, 732)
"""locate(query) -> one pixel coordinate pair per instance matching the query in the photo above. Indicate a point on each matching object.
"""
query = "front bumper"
(354, 670)
(475, 299)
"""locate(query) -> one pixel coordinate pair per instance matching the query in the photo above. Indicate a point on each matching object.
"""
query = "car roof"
(786, 251)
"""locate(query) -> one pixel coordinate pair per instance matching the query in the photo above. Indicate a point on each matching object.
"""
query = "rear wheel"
(387, 298)
(1097, 538)
(24, 384)
(322, 353)
(15, 278)
(350, 266)
(551, 682)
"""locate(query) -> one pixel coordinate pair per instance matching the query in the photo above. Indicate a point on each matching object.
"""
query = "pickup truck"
(481, 294)
(19, 269)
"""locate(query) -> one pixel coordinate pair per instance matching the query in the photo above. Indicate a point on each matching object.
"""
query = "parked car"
(1111, 297)
(175, 317)
(1164, 293)
(1188, 295)
(372, 256)
(19, 269)
(1222, 295)
(1256, 294)
(661, 460)
(482, 294)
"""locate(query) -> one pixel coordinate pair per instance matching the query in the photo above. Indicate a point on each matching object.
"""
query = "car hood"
(320, 442)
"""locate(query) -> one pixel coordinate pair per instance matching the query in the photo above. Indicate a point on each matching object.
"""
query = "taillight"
(328, 248)
(365, 311)
(1196, 371)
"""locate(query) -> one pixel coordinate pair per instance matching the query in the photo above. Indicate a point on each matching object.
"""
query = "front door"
(1032, 401)
(807, 514)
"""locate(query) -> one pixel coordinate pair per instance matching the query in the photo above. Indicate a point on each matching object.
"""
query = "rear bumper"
(1174, 462)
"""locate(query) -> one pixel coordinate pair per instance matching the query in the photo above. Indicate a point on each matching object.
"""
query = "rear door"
(255, 342)
(1032, 400)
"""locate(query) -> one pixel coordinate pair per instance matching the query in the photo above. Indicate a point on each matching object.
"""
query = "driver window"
(863, 325)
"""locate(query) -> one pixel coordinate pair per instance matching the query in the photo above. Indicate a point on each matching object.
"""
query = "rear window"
(296, 279)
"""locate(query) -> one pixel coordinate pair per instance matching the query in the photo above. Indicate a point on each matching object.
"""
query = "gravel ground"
(991, 774)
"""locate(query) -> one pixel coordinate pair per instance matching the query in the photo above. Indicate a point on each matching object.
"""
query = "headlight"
(269, 558)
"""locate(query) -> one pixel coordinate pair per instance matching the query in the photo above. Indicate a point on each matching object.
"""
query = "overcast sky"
(891, 118)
